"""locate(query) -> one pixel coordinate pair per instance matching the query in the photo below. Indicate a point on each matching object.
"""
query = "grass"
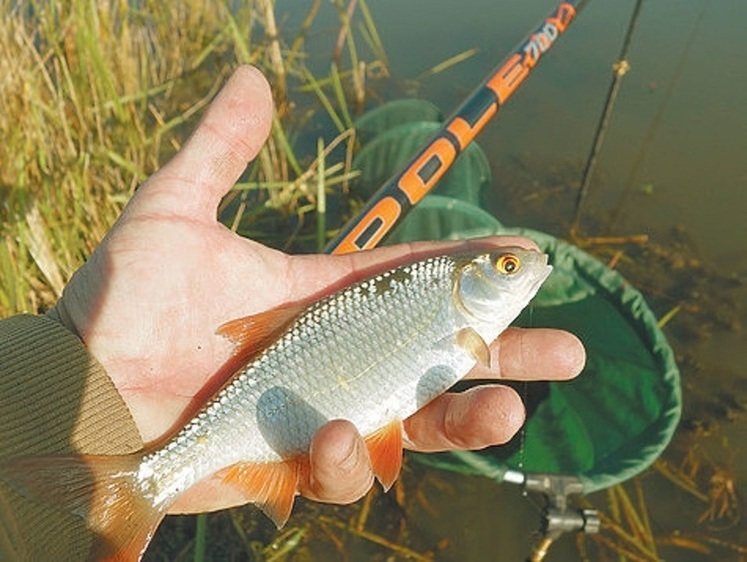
(97, 95)
(82, 113)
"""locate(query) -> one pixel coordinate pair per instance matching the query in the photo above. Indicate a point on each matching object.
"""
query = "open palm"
(149, 300)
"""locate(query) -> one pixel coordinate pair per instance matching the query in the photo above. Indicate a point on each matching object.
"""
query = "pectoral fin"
(472, 342)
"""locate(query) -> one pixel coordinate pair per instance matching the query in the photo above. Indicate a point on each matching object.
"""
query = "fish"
(373, 353)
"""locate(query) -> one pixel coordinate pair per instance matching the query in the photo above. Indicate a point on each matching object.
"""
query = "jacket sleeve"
(54, 399)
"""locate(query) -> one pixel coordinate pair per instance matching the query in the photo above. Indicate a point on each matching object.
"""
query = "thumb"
(227, 138)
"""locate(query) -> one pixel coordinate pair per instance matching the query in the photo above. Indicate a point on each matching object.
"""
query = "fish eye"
(508, 264)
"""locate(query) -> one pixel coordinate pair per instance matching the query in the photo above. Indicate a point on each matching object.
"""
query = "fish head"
(494, 287)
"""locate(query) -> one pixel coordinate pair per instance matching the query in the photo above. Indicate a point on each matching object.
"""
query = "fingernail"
(352, 458)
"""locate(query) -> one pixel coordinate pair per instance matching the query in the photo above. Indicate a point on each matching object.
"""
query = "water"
(694, 160)
(672, 157)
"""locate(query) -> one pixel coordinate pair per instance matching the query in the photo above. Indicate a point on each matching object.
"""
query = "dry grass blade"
(280, 87)
(316, 87)
(340, 95)
(40, 249)
(448, 63)
(685, 543)
(698, 542)
(645, 531)
(298, 42)
(346, 15)
(626, 542)
(637, 522)
(381, 541)
(624, 552)
(679, 478)
(284, 544)
(321, 200)
(371, 34)
(365, 512)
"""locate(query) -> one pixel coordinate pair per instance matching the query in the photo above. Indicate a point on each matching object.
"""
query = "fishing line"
(525, 400)
(620, 68)
(656, 121)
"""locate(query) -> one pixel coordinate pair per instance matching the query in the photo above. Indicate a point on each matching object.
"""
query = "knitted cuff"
(54, 399)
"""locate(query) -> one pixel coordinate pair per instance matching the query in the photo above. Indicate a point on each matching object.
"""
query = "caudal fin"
(102, 490)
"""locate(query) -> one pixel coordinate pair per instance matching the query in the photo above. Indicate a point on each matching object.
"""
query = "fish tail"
(103, 490)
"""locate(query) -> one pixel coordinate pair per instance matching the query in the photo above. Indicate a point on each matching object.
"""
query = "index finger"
(533, 354)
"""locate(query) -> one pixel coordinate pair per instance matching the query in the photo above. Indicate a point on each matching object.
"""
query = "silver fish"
(373, 353)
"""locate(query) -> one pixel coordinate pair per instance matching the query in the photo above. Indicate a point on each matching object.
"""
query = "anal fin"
(385, 451)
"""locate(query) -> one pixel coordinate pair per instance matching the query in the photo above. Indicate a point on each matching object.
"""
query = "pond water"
(693, 161)
(672, 162)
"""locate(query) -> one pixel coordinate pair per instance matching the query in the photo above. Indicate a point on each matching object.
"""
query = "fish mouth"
(546, 271)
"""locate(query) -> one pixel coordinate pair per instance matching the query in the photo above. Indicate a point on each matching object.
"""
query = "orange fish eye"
(507, 264)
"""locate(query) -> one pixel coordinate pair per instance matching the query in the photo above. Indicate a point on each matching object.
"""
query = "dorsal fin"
(252, 334)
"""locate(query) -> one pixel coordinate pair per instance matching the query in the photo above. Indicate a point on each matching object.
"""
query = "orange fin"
(385, 450)
(253, 333)
(272, 486)
(100, 489)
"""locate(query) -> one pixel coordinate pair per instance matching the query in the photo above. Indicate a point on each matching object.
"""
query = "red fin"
(100, 489)
(253, 333)
(272, 486)
(385, 450)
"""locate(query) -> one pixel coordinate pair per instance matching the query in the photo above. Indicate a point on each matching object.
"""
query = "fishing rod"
(391, 203)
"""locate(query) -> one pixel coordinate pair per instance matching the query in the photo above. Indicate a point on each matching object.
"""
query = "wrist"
(59, 314)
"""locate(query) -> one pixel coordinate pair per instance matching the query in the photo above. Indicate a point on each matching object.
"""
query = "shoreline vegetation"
(96, 95)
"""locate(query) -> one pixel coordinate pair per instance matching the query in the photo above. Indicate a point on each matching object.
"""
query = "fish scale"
(340, 359)
(315, 360)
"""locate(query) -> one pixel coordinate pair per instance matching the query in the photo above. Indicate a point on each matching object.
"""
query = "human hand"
(148, 301)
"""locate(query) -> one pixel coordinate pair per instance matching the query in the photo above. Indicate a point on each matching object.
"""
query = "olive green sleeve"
(54, 399)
